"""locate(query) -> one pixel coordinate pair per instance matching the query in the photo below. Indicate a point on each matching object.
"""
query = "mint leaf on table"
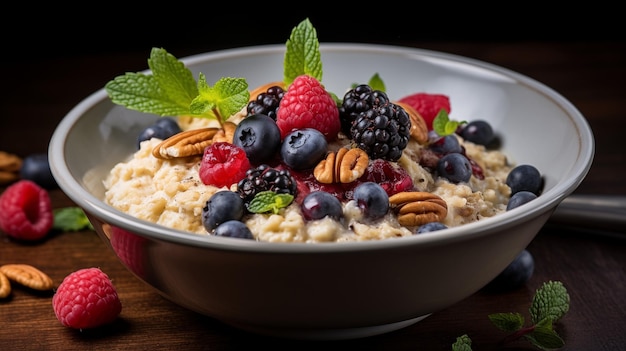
(549, 305)
(302, 55)
(462, 343)
(69, 219)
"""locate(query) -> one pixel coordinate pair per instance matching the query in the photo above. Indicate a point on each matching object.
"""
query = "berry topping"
(382, 131)
(162, 129)
(223, 164)
(430, 227)
(303, 148)
(86, 299)
(25, 211)
(520, 198)
(389, 175)
(233, 229)
(428, 105)
(359, 99)
(306, 104)
(478, 132)
(266, 103)
(221, 207)
(455, 167)
(264, 178)
(524, 178)
(259, 136)
(320, 204)
(372, 199)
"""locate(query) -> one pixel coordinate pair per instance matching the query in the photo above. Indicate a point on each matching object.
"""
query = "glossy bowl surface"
(334, 291)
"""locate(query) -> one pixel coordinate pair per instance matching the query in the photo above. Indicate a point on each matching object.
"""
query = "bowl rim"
(546, 202)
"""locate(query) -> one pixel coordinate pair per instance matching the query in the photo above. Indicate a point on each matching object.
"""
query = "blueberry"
(520, 198)
(303, 148)
(221, 207)
(430, 227)
(233, 229)
(445, 145)
(162, 129)
(516, 274)
(259, 136)
(478, 132)
(36, 168)
(524, 177)
(319, 204)
(455, 167)
(372, 199)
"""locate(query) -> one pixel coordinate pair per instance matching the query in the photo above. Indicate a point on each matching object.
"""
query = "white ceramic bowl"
(334, 291)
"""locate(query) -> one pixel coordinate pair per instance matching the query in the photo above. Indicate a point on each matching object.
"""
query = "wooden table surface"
(37, 92)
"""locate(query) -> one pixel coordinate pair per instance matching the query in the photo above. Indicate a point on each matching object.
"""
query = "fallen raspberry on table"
(86, 299)
(306, 104)
(26, 211)
(223, 164)
(428, 105)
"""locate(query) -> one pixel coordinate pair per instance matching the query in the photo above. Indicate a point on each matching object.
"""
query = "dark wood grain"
(36, 93)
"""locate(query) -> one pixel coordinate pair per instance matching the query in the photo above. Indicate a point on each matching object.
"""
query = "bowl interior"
(536, 125)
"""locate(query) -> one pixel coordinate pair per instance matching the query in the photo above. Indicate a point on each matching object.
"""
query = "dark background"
(32, 32)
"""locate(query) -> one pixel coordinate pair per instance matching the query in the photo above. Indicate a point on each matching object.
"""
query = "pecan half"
(419, 129)
(10, 165)
(184, 144)
(5, 286)
(415, 208)
(28, 276)
(343, 166)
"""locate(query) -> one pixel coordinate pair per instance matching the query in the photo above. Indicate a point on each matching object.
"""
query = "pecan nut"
(10, 165)
(415, 208)
(419, 129)
(343, 166)
(184, 144)
(5, 286)
(28, 276)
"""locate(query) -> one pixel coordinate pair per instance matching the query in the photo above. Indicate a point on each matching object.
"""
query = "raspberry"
(223, 164)
(306, 104)
(86, 299)
(26, 211)
(428, 105)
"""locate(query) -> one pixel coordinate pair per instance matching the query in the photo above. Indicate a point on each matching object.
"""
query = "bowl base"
(329, 334)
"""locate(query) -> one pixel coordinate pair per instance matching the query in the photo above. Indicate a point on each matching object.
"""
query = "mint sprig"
(443, 125)
(171, 90)
(269, 201)
(302, 55)
(550, 303)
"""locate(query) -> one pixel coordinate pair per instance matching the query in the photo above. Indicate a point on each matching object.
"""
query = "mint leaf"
(222, 100)
(167, 92)
(508, 322)
(376, 83)
(302, 55)
(544, 337)
(70, 219)
(551, 300)
(462, 343)
(443, 125)
(269, 201)
(175, 80)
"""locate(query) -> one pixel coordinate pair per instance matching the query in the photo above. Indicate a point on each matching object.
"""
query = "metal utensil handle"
(592, 212)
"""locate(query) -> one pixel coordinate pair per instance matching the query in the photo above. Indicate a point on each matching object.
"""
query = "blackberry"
(359, 99)
(263, 178)
(266, 103)
(383, 131)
